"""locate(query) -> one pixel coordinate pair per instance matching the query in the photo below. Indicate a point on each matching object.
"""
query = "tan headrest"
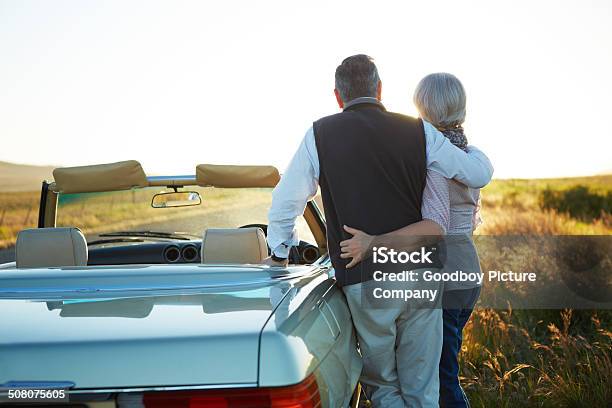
(228, 176)
(234, 246)
(49, 247)
(100, 177)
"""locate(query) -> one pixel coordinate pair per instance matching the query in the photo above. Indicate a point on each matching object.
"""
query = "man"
(372, 166)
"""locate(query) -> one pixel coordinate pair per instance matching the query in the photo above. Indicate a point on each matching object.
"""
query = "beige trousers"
(400, 342)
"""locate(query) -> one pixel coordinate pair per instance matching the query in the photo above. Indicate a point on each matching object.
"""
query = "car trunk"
(123, 327)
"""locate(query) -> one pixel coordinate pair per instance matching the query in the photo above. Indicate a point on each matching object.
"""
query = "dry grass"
(17, 211)
(512, 207)
(509, 207)
(131, 209)
(537, 358)
(533, 221)
(104, 212)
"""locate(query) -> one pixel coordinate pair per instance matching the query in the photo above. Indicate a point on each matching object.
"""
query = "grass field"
(508, 207)
(538, 358)
(510, 358)
(105, 212)
(513, 207)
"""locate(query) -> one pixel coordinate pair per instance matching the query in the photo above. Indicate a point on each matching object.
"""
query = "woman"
(440, 99)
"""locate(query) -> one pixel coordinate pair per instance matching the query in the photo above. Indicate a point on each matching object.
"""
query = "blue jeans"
(454, 320)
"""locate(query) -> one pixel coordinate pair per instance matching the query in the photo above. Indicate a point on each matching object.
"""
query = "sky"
(177, 83)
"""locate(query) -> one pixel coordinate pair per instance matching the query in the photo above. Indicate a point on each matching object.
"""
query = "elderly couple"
(388, 179)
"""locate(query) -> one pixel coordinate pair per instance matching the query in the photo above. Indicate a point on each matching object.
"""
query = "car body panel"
(133, 339)
(177, 325)
(118, 330)
(312, 325)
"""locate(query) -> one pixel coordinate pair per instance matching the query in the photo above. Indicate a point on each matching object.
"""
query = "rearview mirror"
(176, 199)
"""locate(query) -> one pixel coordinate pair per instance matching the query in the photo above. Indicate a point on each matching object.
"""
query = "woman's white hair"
(440, 99)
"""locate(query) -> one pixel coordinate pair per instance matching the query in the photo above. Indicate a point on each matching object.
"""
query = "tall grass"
(538, 358)
(18, 210)
(534, 221)
(578, 202)
(516, 207)
(122, 210)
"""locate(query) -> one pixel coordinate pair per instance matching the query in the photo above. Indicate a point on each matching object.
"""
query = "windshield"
(98, 214)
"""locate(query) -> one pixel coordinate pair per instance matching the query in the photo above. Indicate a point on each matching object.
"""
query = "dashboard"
(176, 252)
(146, 253)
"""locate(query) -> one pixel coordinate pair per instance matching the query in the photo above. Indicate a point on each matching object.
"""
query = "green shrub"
(578, 201)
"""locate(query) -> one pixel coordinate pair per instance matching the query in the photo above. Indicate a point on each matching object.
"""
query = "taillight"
(302, 395)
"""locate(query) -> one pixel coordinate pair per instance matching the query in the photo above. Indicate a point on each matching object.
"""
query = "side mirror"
(176, 199)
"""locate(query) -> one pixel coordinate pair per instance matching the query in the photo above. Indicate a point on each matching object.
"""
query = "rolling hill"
(23, 177)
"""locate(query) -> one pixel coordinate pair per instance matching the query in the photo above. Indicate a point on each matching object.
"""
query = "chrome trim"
(182, 177)
(19, 292)
(9, 265)
(163, 181)
(52, 385)
(160, 388)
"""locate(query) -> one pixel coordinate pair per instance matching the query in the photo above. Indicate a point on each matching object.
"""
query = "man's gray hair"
(440, 99)
(357, 77)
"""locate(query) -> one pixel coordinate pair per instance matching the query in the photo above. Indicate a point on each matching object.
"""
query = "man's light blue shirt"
(300, 181)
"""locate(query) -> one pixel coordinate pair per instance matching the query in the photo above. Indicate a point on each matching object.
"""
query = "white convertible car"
(141, 291)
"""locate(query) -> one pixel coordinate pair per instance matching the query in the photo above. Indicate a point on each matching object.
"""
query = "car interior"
(222, 246)
(64, 246)
(50, 247)
(54, 246)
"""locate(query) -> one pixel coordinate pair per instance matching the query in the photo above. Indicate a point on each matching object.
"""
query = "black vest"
(372, 175)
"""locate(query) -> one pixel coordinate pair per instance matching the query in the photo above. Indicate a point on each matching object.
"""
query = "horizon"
(173, 85)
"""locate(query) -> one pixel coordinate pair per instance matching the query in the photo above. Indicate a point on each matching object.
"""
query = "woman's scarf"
(456, 136)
